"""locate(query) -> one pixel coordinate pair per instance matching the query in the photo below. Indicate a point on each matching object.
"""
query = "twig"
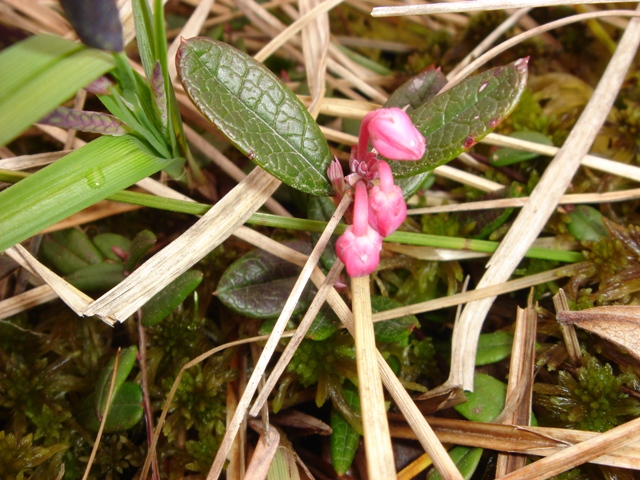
(568, 330)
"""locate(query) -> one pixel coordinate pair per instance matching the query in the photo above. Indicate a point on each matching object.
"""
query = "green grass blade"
(92, 173)
(36, 93)
(29, 58)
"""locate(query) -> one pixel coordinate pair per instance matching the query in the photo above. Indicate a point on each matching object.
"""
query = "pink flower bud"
(392, 134)
(359, 246)
(336, 177)
(387, 208)
(359, 253)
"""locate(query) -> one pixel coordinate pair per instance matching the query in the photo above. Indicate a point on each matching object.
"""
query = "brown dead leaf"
(617, 324)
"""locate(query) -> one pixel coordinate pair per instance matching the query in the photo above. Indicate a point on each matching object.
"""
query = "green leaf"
(82, 178)
(324, 325)
(455, 120)
(106, 242)
(493, 347)
(98, 277)
(140, 246)
(165, 301)
(417, 90)
(258, 284)
(69, 250)
(256, 112)
(465, 458)
(586, 224)
(486, 401)
(395, 329)
(125, 412)
(344, 438)
(40, 73)
(125, 364)
(508, 156)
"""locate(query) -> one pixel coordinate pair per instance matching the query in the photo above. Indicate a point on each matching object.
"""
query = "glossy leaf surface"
(164, 302)
(256, 112)
(493, 347)
(125, 364)
(465, 458)
(258, 284)
(455, 120)
(486, 401)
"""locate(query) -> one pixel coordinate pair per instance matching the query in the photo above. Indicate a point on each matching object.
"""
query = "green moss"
(20, 458)
(592, 399)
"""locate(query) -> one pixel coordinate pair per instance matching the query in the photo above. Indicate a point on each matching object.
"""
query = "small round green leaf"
(256, 112)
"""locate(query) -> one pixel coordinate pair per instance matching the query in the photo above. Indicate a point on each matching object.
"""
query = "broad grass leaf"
(455, 120)
(256, 112)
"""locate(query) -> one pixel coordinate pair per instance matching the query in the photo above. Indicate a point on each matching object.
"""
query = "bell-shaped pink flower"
(392, 134)
(387, 208)
(359, 246)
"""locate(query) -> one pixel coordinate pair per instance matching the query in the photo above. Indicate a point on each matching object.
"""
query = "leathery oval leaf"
(256, 112)
(458, 118)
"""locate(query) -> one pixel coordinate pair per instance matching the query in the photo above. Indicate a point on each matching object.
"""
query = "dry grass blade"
(568, 332)
(478, 6)
(261, 366)
(423, 431)
(570, 199)
(315, 47)
(377, 442)
(518, 401)
(631, 172)
(211, 230)
(74, 298)
(263, 455)
(107, 408)
(301, 331)
(616, 323)
(537, 441)
(534, 215)
(26, 300)
(578, 454)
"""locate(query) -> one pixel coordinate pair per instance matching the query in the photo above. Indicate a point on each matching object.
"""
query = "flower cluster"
(379, 207)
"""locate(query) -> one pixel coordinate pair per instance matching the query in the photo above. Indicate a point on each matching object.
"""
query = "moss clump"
(20, 458)
(591, 400)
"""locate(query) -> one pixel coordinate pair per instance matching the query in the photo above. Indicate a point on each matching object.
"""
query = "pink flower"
(359, 246)
(392, 134)
(387, 208)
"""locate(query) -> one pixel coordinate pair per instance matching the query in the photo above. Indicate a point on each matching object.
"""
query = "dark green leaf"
(165, 301)
(486, 401)
(417, 90)
(98, 277)
(465, 458)
(106, 242)
(258, 284)
(140, 246)
(344, 438)
(79, 243)
(410, 185)
(460, 117)
(586, 224)
(395, 329)
(493, 347)
(325, 324)
(507, 156)
(257, 113)
(125, 364)
(60, 257)
(125, 412)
